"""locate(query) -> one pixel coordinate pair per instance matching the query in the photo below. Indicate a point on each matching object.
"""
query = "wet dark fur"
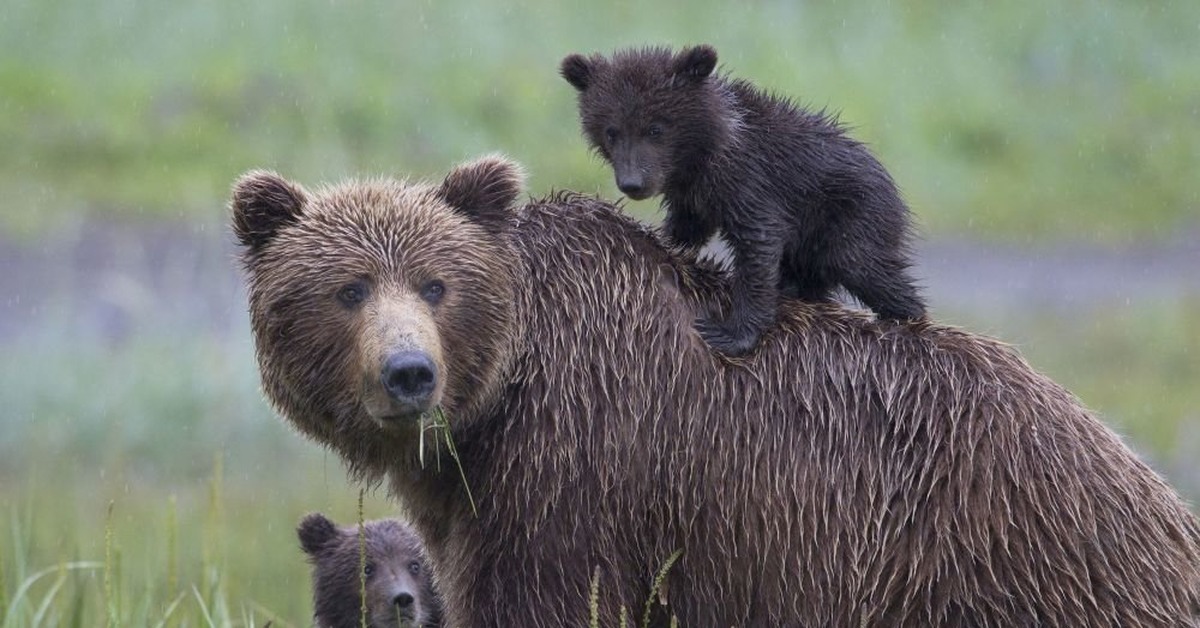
(803, 207)
(848, 473)
(395, 563)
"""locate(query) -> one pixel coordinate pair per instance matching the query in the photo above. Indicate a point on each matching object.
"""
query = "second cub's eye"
(352, 294)
(654, 130)
(611, 134)
(433, 292)
(414, 568)
(369, 569)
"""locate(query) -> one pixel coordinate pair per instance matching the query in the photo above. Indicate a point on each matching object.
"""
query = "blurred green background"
(1049, 151)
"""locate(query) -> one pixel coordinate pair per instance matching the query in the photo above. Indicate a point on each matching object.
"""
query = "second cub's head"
(385, 569)
(654, 115)
(375, 302)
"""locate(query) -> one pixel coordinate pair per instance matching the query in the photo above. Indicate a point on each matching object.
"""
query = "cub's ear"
(316, 532)
(577, 69)
(694, 64)
(262, 203)
(483, 190)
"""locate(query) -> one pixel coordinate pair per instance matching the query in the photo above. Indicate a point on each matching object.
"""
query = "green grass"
(999, 120)
(204, 484)
(208, 551)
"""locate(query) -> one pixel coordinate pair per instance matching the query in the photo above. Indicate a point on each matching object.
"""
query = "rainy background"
(1049, 152)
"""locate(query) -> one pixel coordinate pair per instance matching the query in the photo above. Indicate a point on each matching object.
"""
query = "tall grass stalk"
(172, 547)
(110, 594)
(4, 584)
(656, 590)
(213, 555)
(362, 562)
(594, 599)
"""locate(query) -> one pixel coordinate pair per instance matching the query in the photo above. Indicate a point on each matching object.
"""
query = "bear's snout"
(410, 377)
(633, 185)
(403, 601)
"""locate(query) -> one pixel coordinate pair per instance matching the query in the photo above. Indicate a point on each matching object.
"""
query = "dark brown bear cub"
(803, 207)
(398, 587)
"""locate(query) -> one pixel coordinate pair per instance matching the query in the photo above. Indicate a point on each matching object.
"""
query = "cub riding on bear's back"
(803, 207)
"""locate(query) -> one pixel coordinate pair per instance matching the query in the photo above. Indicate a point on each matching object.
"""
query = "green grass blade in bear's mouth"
(436, 420)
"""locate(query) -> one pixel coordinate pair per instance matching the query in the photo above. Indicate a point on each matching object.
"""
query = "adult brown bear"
(843, 474)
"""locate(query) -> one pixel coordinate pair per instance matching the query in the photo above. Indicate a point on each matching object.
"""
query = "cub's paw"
(728, 339)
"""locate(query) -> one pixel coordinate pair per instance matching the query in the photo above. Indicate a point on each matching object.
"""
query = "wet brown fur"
(847, 473)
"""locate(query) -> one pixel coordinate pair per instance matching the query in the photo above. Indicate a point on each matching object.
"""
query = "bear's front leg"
(685, 227)
(754, 296)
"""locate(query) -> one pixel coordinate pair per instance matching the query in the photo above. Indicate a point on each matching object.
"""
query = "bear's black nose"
(403, 600)
(409, 377)
(632, 186)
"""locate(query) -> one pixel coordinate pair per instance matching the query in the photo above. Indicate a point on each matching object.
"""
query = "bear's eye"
(414, 568)
(369, 569)
(352, 294)
(433, 292)
(610, 134)
(654, 130)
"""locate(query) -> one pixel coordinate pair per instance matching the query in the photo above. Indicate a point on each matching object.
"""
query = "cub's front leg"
(754, 295)
(686, 227)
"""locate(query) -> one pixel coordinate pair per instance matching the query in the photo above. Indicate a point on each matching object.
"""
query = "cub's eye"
(610, 134)
(352, 294)
(414, 568)
(433, 292)
(369, 569)
(654, 130)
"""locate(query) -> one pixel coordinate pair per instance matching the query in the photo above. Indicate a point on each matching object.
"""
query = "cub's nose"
(632, 186)
(409, 377)
(403, 600)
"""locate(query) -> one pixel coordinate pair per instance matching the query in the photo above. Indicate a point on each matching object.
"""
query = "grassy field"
(1011, 121)
(144, 481)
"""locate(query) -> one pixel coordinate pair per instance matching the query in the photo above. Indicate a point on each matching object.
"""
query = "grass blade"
(170, 610)
(49, 597)
(23, 590)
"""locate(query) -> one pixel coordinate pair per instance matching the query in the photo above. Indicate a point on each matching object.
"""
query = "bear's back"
(862, 471)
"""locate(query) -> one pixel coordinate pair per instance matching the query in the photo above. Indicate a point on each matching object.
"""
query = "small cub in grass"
(399, 584)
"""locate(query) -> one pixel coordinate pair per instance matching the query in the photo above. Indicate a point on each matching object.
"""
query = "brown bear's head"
(387, 566)
(374, 302)
(652, 114)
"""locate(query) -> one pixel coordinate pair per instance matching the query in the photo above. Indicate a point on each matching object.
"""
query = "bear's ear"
(577, 69)
(483, 190)
(694, 64)
(262, 203)
(316, 532)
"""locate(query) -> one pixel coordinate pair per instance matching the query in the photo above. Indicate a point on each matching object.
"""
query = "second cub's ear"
(577, 69)
(484, 190)
(316, 532)
(695, 63)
